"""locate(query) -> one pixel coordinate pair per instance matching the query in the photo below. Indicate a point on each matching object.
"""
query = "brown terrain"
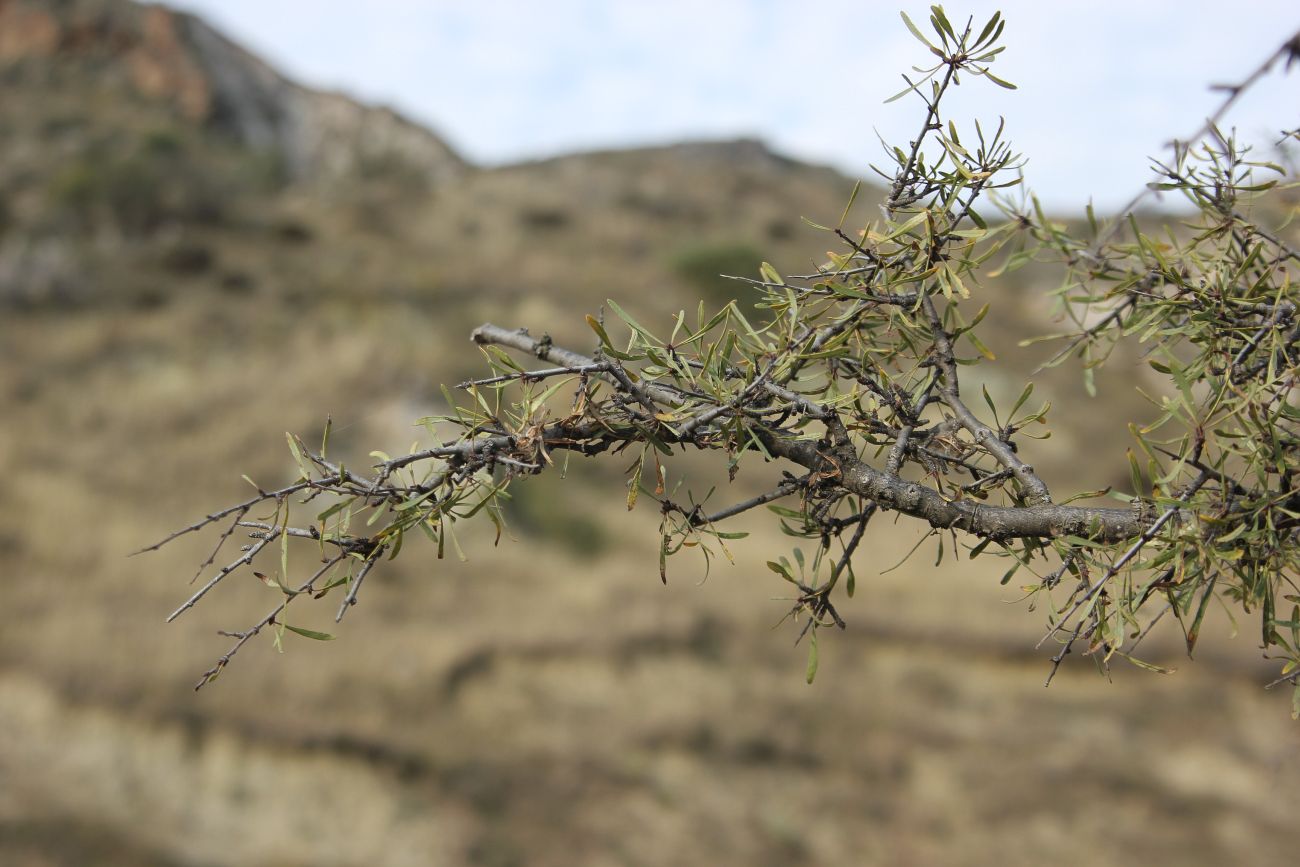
(197, 255)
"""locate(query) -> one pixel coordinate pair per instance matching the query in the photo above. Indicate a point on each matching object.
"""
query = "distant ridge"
(178, 59)
(146, 157)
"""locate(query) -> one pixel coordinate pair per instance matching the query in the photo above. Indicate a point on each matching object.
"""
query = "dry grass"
(532, 706)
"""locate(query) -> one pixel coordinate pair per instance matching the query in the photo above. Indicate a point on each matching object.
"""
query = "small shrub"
(702, 267)
(532, 511)
(188, 258)
(544, 218)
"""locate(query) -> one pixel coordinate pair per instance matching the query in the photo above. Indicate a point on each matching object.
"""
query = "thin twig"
(248, 634)
(785, 489)
(1288, 50)
(244, 559)
(1147, 535)
(535, 375)
(351, 598)
(261, 497)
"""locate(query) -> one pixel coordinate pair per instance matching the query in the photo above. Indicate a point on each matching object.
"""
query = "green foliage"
(543, 218)
(165, 175)
(138, 189)
(538, 513)
(703, 267)
(850, 379)
(1214, 308)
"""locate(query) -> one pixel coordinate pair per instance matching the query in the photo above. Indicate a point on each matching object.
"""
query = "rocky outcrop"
(320, 135)
(179, 60)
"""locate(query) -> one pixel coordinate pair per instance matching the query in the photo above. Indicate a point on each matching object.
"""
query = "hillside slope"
(197, 254)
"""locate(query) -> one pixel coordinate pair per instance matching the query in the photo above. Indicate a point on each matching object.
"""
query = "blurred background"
(211, 232)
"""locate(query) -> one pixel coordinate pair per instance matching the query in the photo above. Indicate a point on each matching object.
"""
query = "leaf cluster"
(849, 379)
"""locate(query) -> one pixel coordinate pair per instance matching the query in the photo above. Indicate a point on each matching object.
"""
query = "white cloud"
(1102, 84)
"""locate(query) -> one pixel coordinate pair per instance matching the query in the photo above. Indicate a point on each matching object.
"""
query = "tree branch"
(1041, 520)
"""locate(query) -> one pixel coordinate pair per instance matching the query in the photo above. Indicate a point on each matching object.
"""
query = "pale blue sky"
(1103, 84)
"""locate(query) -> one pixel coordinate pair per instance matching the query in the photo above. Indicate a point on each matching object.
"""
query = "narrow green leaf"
(980, 347)
(631, 323)
(600, 330)
(310, 633)
(1195, 631)
(412, 502)
(781, 570)
(988, 399)
(460, 552)
(998, 81)
(1135, 473)
(284, 545)
(940, 22)
(297, 455)
(902, 93)
(634, 483)
(988, 28)
(540, 400)
(1146, 665)
(1020, 401)
(915, 31)
(908, 226)
(852, 198)
(786, 513)
(811, 672)
(334, 509)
